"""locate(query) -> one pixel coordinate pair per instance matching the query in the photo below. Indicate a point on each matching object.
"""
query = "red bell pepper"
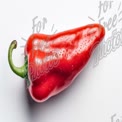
(53, 61)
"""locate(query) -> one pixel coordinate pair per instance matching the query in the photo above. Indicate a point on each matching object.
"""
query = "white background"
(96, 93)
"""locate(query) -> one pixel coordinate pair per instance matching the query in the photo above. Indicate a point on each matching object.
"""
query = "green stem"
(20, 71)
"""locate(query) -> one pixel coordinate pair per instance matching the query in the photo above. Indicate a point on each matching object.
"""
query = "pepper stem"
(20, 71)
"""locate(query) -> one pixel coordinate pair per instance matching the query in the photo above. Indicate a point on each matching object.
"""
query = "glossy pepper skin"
(53, 61)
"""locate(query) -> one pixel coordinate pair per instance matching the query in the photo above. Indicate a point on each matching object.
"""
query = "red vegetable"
(53, 61)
